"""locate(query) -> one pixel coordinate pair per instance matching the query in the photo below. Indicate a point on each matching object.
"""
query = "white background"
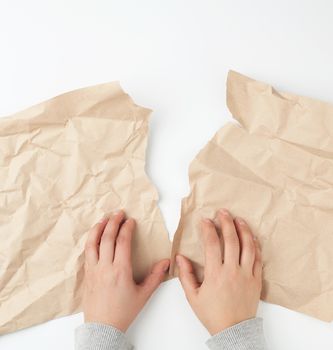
(172, 56)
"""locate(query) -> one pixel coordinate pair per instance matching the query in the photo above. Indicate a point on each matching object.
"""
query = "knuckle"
(211, 238)
(211, 241)
(233, 272)
(108, 236)
(248, 242)
(207, 226)
(121, 239)
(112, 226)
(231, 239)
(118, 269)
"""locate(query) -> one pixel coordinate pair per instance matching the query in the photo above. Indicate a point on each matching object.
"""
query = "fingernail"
(102, 219)
(116, 212)
(224, 211)
(206, 220)
(255, 237)
(178, 260)
(240, 220)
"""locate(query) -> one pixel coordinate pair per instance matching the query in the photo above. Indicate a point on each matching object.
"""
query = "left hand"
(110, 294)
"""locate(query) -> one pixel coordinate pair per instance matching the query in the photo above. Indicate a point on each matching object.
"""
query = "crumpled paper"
(68, 161)
(275, 169)
(64, 164)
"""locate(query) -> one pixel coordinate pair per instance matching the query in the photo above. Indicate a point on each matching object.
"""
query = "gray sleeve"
(246, 335)
(98, 336)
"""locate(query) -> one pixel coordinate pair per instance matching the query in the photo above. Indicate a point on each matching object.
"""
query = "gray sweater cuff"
(246, 335)
(98, 336)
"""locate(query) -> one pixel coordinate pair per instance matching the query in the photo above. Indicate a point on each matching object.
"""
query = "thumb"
(186, 275)
(154, 279)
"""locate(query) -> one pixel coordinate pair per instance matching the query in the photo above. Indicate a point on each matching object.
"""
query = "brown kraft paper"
(68, 161)
(64, 164)
(275, 169)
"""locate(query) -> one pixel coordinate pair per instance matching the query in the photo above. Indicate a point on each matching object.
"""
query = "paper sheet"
(64, 163)
(276, 171)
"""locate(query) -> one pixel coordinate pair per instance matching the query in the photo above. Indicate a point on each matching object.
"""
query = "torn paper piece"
(276, 171)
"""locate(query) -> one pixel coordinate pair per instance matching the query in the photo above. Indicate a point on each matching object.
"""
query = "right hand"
(232, 283)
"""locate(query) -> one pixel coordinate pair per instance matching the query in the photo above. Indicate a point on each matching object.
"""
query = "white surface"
(172, 56)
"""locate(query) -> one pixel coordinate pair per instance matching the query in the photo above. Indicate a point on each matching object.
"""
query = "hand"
(110, 294)
(231, 288)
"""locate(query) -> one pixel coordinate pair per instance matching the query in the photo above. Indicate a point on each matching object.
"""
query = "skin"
(231, 288)
(228, 295)
(110, 294)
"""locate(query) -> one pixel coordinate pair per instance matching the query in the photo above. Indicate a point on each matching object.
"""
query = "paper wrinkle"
(276, 171)
(65, 163)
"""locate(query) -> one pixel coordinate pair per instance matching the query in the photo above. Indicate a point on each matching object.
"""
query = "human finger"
(107, 245)
(91, 249)
(212, 245)
(230, 238)
(122, 255)
(247, 251)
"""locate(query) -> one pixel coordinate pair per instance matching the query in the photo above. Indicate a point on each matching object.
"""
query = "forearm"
(246, 335)
(97, 336)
